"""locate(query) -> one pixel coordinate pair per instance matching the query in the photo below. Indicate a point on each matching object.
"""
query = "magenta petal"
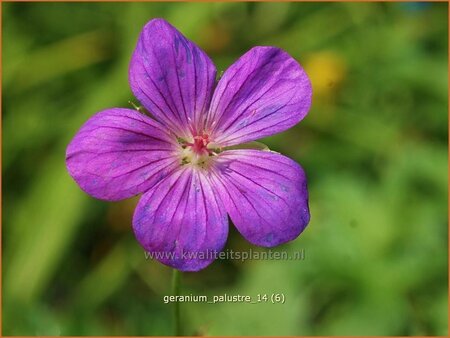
(119, 153)
(264, 92)
(171, 77)
(264, 193)
(180, 222)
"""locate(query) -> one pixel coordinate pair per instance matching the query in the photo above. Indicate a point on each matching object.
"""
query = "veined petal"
(180, 222)
(171, 76)
(264, 193)
(263, 93)
(119, 153)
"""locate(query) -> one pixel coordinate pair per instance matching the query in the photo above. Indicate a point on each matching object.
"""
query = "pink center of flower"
(200, 144)
(196, 152)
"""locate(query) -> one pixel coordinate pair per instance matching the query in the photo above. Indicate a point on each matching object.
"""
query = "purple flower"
(184, 159)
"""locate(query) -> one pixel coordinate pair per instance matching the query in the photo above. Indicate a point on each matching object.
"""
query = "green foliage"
(374, 147)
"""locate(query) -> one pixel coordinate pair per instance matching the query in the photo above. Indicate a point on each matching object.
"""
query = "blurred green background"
(374, 147)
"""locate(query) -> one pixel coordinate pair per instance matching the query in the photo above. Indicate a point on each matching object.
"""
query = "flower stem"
(176, 282)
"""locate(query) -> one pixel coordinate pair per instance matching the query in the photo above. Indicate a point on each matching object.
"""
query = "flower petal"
(171, 77)
(264, 193)
(180, 222)
(119, 153)
(264, 92)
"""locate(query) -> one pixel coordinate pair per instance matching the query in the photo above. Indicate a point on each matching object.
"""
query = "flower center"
(196, 152)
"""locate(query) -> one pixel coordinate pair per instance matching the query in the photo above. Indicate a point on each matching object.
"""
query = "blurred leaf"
(57, 60)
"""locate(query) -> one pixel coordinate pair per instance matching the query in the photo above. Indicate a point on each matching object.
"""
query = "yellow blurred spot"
(326, 71)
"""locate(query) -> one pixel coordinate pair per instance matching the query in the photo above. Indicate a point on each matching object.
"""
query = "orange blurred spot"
(215, 37)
